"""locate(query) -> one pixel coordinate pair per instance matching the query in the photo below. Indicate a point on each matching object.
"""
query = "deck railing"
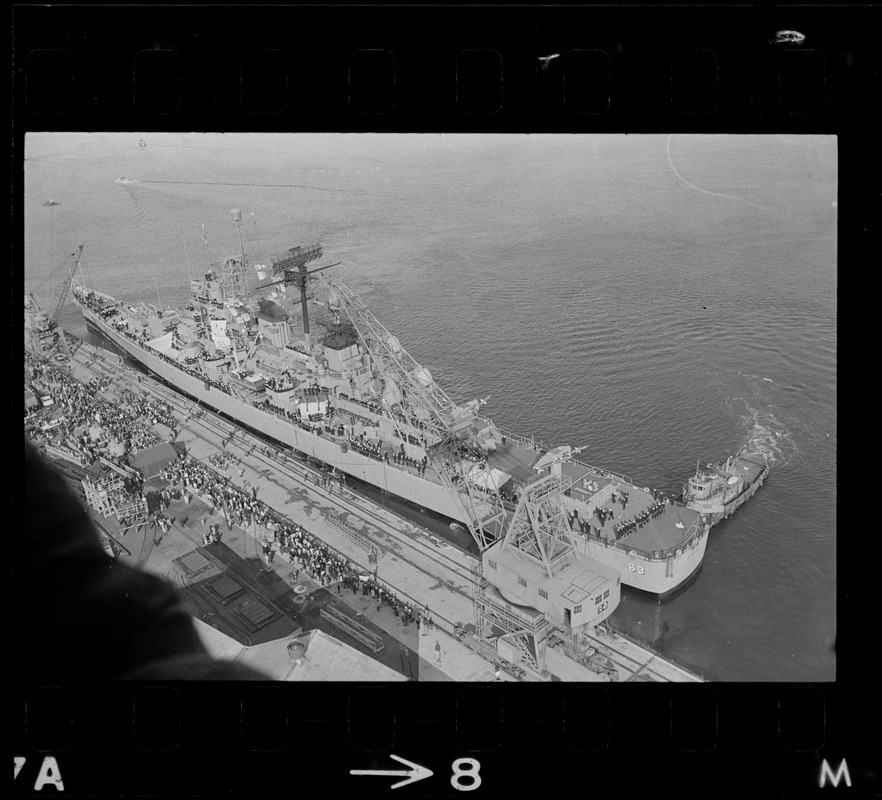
(531, 444)
(693, 535)
(606, 473)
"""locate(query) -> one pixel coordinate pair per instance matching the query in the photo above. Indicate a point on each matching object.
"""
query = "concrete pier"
(414, 563)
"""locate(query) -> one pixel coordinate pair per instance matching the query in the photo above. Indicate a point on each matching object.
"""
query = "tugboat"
(717, 490)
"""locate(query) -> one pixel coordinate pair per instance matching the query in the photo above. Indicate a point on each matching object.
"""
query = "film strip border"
(182, 739)
(382, 69)
(434, 68)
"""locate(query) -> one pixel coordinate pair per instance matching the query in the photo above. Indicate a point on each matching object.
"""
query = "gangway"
(354, 535)
(353, 628)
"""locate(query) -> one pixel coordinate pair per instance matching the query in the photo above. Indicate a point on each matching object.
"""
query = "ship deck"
(659, 533)
(665, 532)
(515, 460)
(749, 469)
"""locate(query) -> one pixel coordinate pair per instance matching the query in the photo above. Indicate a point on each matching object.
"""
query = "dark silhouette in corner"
(81, 616)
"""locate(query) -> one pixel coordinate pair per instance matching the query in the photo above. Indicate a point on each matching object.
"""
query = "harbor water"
(659, 300)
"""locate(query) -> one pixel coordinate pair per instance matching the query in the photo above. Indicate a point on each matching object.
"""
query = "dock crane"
(38, 323)
(530, 578)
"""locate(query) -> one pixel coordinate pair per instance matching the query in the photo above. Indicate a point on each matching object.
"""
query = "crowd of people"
(294, 418)
(583, 526)
(327, 567)
(238, 505)
(411, 439)
(315, 391)
(308, 553)
(603, 514)
(157, 519)
(402, 609)
(129, 423)
(223, 460)
(624, 528)
(96, 303)
(282, 384)
(154, 411)
(91, 424)
(368, 447)
(373, 448)
(373, 407)
(401, 458)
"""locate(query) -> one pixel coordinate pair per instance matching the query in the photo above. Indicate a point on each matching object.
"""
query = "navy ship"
(341, 389)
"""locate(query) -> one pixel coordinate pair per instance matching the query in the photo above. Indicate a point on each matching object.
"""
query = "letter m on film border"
(826, 773)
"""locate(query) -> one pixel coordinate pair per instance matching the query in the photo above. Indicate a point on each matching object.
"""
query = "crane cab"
(580, 593)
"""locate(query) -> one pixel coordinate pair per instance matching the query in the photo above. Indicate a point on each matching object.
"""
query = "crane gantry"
(42, 328)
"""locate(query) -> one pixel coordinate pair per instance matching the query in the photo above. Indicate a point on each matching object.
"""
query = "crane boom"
(65, 288)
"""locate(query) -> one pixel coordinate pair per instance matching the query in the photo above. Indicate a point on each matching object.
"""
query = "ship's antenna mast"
(156, 286)
(205, 242)
(292, 267)
(237, 218)
(186, 254)
(256, 232)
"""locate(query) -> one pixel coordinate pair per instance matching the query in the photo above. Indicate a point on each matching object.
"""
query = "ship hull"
(416, 490)
(653, 576)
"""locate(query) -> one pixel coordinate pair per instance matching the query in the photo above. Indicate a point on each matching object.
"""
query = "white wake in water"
(766, 435)
(715, 194)
(757, 377)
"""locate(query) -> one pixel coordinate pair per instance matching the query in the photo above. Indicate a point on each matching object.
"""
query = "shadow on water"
(662, 623)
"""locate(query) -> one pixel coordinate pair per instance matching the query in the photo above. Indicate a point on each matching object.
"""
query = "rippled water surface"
(660, 300)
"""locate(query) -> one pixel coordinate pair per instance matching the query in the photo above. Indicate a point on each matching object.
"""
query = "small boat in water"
(717, 490)
(122, 180)
(52, 203)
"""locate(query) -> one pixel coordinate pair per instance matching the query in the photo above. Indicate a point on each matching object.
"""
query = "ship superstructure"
(343, 390)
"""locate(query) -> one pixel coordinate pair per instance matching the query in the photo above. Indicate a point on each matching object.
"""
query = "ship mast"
(237, 218)
(292, 268)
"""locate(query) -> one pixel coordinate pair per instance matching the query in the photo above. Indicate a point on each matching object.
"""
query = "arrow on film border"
(415, 773)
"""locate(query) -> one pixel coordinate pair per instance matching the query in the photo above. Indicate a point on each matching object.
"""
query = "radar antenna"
(292, 267)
